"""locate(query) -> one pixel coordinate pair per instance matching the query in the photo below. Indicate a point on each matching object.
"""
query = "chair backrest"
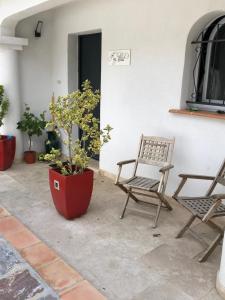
(219, 178)
(155, 151)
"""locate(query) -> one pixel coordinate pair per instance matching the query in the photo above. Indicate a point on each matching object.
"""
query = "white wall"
(36, 70)
(135, 99)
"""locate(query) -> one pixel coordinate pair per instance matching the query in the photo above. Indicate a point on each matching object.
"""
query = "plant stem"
(29, 143)
(69, 133)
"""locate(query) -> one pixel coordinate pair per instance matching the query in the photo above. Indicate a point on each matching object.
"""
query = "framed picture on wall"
(119, 57)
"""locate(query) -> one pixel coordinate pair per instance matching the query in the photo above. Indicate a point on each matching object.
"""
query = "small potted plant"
(71, 181)
(7, 142)
(31, 125)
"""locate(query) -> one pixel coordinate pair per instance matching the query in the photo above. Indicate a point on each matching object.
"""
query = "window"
(209, 69)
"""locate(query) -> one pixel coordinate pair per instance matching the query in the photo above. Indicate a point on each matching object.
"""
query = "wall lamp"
(38, 29)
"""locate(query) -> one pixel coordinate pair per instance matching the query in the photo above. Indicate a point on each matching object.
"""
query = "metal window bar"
(199, 50)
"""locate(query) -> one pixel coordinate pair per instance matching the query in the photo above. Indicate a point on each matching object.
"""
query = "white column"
(220, 284)
(10, 79)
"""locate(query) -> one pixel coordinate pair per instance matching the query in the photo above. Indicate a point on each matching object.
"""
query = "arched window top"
(209, 69)
(209, 33)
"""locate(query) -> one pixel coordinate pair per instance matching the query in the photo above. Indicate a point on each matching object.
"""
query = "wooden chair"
(153, 151)
(204, 208)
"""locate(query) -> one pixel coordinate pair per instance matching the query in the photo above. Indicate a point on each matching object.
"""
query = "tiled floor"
(121, 258)
(66, 281)
(18, 280)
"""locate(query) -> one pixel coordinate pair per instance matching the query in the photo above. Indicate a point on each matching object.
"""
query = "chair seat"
(200, 205)
(143, 183)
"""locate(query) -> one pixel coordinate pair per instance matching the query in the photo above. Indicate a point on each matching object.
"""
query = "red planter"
(30, 157)
(71, 194)
(7, 151)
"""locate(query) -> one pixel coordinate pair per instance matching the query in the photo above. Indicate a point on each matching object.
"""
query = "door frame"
(73, 64)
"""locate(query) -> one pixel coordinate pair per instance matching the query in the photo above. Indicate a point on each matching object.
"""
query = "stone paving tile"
(22, 285)
(163, 291)
(83, 291)
(18, 280)
(22, 239)
(212, 295)
(187, 245)
(7, 258)
(38, 255)
(9, 225)
(59, 275)
(194, 279)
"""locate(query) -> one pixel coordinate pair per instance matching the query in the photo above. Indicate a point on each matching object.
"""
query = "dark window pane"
(216, 76)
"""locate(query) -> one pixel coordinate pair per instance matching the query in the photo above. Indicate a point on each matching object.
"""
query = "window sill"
(199, 113)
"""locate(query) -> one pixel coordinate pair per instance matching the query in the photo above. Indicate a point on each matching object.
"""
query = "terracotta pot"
(71, 194)
(30, 157)
(7, 151)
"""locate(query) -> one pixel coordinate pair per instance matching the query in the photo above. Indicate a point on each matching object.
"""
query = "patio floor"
(121, 258)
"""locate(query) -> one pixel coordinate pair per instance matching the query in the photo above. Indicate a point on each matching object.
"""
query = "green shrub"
(31, 124)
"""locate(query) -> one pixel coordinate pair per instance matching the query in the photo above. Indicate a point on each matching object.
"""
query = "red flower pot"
(71, 194)
(30, 157)
(7, 151)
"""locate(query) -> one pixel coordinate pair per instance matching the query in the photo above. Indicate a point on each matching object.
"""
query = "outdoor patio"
(121, 258)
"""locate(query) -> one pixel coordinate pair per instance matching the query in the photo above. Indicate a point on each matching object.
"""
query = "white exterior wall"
(135, 99)
(36, 80)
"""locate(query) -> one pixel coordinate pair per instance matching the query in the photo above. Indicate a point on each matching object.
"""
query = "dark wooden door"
(90, 65)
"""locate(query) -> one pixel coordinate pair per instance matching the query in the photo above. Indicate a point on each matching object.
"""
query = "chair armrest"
(184, 178)
(216, 197)
(120, 164)
(193, 176)
(125, 162)
(166, 168)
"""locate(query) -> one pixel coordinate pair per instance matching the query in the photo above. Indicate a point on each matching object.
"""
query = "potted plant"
(71, 181)
(31, 125)
(7, 142)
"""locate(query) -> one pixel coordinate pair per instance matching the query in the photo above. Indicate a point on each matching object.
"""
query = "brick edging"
(61, 277)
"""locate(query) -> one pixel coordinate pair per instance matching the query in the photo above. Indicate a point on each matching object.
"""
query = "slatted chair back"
(154, 151)
(219, 179)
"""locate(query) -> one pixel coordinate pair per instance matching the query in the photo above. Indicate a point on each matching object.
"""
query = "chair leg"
(164, 200)
(211, 248)
(185, 228)
(128, 196)
(127, 191)
(157, 214)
